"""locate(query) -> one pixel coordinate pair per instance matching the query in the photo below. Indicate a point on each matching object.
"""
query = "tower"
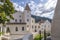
(27, 16)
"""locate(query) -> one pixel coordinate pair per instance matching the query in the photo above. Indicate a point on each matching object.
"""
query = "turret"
(27, 7)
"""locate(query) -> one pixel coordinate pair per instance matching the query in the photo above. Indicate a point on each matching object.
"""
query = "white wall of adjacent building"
(46, 25)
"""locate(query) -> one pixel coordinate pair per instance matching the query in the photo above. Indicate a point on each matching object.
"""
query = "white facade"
(34, 26)
(46, 25)
(17, 28)
(23, 24)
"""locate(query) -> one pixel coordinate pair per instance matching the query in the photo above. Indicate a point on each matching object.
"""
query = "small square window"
(27, 15)
(19, 15)
(27, 19)
(27, 25)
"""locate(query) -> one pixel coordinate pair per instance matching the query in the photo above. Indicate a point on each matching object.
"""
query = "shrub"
(37, 37)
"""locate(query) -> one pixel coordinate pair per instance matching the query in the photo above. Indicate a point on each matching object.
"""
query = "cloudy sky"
(44, 8)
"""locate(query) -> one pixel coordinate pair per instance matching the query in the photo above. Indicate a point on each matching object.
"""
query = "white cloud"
(22, 2)
(49, 15)
(41, 0)
(32, 5)
(18, 7)
(50, 3)
(39, 8)
(36, 8)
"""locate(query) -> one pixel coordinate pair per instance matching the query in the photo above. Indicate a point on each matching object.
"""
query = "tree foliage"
(6, 10)
(38, 37)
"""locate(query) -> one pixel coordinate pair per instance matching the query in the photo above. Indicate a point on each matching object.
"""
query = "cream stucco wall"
(12, 28)
(46, 25)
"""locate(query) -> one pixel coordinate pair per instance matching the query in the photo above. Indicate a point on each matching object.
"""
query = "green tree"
(6, 10)
(38, 37)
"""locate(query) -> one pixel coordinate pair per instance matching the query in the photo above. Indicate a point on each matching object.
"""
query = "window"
(27, 15)
(7, 30)
(32, 26)
(32, 21)
(35, 30)
(27, 25)
(15, 20)
(42, 28)
(35, 26)
(38, 26)
(20, 20)
(16, 29)
(45, 25)
(22, 28)
(19, 15)
(27, 19)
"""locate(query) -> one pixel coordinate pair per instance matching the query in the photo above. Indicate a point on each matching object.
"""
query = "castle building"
(22, 25)
(18, 27)
(45, 25)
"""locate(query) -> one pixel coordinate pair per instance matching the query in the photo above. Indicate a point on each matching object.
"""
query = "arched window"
(20, 20)
(35, 30)
(22, 28)
(8, 30)
(16, 29)
(15, 20)
(32, 26)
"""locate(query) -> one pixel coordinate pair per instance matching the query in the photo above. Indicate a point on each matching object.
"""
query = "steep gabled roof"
(27, 7)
